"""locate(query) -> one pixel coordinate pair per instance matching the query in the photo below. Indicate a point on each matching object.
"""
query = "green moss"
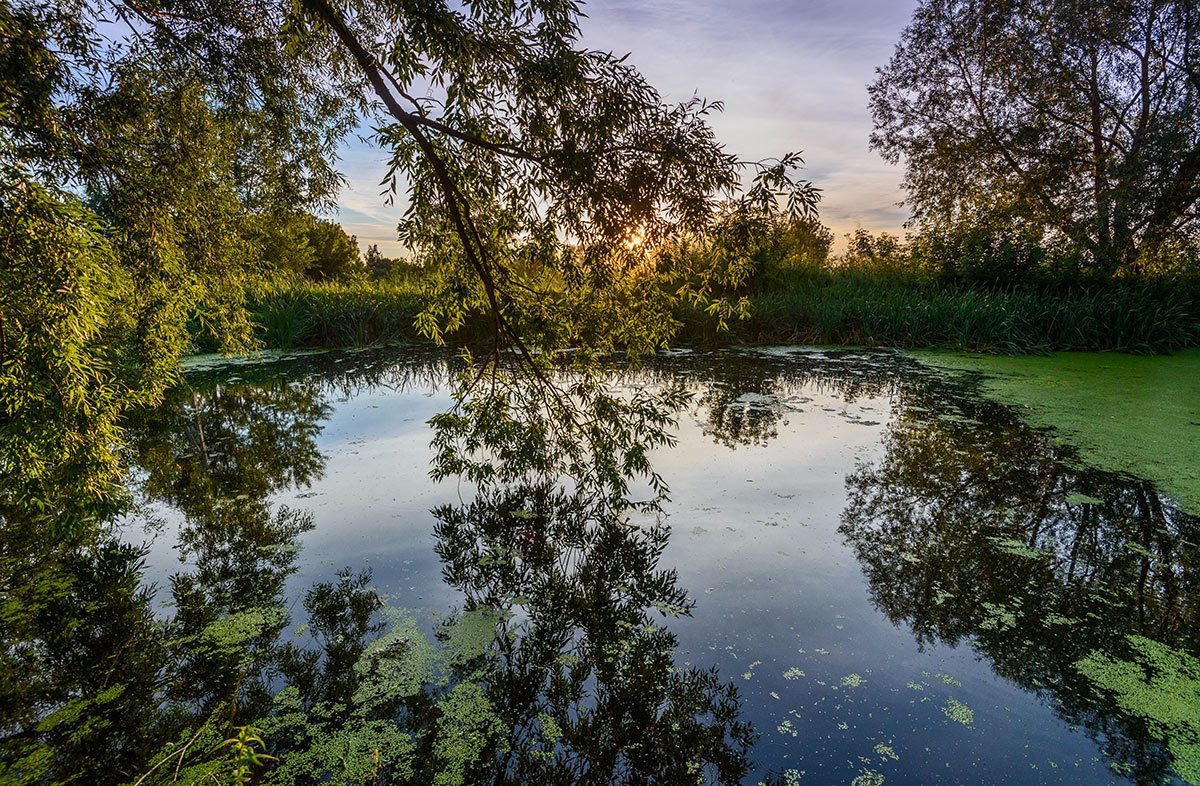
(1123, 413)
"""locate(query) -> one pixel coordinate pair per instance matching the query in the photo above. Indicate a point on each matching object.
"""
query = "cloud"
(792, 75)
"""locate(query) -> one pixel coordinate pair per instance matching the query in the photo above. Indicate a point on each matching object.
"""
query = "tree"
(187, 116)
(281, 239)
(530, 140)
(128, 167)
(1079, 118)
(334, 253)
(376, 263)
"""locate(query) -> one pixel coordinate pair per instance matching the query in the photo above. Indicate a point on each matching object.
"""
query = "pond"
(867, 572)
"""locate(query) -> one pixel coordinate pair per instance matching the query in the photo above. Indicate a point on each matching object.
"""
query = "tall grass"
(866, 302)
(307, 314)
(850, 308)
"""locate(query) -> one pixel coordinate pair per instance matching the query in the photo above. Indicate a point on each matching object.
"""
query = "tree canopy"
(165, 130)
(130, 166)
(1078, 118)
(334, 253)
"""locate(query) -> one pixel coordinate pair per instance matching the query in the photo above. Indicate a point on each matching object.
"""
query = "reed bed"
(857, 310)
(846, 307)
(335, 315)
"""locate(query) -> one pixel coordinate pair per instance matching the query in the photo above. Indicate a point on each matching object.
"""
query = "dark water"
(902, 581)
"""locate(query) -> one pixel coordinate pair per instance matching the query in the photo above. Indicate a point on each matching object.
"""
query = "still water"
(901, 581)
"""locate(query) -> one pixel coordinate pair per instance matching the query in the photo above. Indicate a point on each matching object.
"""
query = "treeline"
(970, 291)
(302, 247)
(973, 287)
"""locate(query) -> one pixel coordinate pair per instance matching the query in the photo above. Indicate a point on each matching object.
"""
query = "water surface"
(904, 582)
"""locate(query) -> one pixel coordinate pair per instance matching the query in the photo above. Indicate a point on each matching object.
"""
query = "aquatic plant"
(958, 712)
(1159, 686)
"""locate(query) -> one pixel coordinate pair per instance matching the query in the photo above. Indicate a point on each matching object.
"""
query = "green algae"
(1123, 413)
(234, 633)
(1161, 686)
(868, 778)
(886, 752)
(957, 711)
(852, 681)
(467, 726)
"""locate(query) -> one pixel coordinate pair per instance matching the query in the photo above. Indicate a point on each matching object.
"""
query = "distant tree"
(280, 241)
(864, 250)
(334, 253)
(1080, 118)
(376, 263)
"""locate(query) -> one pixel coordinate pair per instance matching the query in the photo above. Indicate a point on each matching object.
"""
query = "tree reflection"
(974, 528)
(558, 668)
(89, 668)
(80, 659)
(228, 443)
(742, 398)
(583, 646)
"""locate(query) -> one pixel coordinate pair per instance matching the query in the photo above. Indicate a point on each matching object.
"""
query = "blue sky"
(793, 76)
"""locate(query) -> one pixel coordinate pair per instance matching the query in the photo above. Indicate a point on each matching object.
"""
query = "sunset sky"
(793, 76)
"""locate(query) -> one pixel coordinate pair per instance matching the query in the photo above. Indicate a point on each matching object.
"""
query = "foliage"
(127, 172)
(848, 308)
(59, 415)
(529, 141)
(199, 133)
(400, 271)
(334, 314)
(879, 256)
(376, 263)
(282, 241)
(1057, 120)
(246, 751)
(890, 302)
(746, 250)
(334, 253)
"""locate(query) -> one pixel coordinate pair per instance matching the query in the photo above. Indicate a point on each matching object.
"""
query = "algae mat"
(1123, 413)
